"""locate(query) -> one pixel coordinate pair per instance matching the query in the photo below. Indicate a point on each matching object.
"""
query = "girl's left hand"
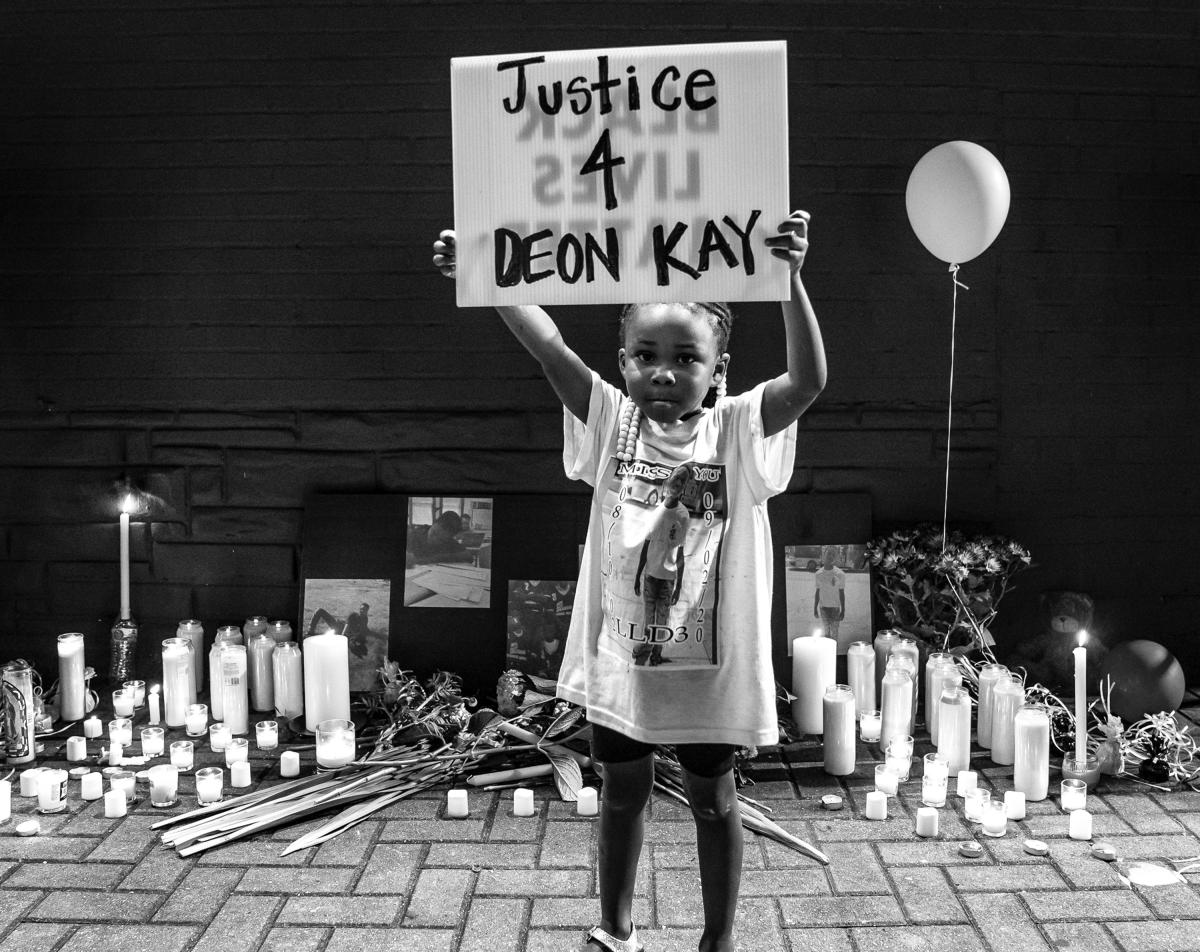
(792, 243)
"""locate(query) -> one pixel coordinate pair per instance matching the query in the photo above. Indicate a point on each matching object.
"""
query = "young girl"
(711, 689)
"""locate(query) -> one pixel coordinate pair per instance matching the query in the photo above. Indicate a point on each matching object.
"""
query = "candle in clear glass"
(973, 804)
(886, 779)
(1008, 697)
(456, 803)
(70, 676)
(288, 680)
(120, 731)
(994, 817)
(869, 725)
(125, 781)
(226, 635)
(91, 786)
(164, 785)
(1014, 804)
(177, 684)
(860, 672)
(883, 648)
(238, 749)
(266, 733)
(115, 804)
(139, 692)
(838, 730)
(219, 735)
(289, 764)
(193, 631)
(259, 651)
(183, 754)
(927, 821)
(326, 679)
(907, 648)
(1031, 753)
(954, 728)
(153, 741)
(1080, 825)
(897, 703)
(196, 720)
(933, 692)
(254, 625)
(941, 675)
(235, 696)
(1073, 795)
(814, 666)
(966, 781)
(588, 804)
(989, 674)
(898, 754)
(122, 699)
(523, 802)
(210, 782)
(280, 630)
(335, 742)
(876, 805)
(934, 779)
(52, 790)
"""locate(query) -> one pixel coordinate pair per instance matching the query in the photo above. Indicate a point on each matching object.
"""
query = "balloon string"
(950, 401)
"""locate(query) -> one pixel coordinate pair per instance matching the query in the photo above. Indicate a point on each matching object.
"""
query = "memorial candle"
(153, 741)
(1079, 827)
(1080, 657)
(870, 724)
(177, 680)
(326, 679)
(588, 802)
(927, 821)
(235, 695)
(523, 802)
(127, 506)
(193, 631)
(114, 804)
(196, 720)
(860, 672)
(287, 680)
(838, 730)
(814, 666)
(1031, 753)
(896, 718)
(933, 687)
(954, 719)
(93, 727)
(183, 754)
(289, 764)
(335, 742)
(1008, 697)
(456, 803)
(91, 786)
(76, 749)
(210, 782)
(164, 785)
(70, 676)
(883, 649)
(226, 635)
(154, 705)
(876, 805)
(989, 674)
(908, 649)
(259, 651)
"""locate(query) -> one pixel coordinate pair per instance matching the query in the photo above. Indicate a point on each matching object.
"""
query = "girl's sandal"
(611, 943)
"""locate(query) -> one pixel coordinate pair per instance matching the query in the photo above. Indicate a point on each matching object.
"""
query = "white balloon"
(957, 200)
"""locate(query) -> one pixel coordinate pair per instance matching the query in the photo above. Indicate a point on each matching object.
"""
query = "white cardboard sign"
(621, 175)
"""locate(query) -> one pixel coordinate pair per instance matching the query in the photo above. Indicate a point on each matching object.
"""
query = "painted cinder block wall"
(215, 223)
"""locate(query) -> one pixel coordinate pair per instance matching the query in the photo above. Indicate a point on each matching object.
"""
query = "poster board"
(619, 175)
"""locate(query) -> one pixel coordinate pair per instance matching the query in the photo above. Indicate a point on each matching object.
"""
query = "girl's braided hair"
(720, 318)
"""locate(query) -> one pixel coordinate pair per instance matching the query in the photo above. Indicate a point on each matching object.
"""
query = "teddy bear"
(1046, 657)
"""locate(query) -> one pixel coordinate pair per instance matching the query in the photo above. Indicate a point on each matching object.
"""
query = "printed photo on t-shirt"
(660, 561)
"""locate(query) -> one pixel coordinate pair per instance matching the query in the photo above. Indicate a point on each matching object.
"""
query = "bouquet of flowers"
(944, 589)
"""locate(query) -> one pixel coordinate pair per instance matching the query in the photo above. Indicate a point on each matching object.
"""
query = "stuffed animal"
(1046, 657)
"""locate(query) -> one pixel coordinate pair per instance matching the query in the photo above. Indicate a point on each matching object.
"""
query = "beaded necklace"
(631, 423)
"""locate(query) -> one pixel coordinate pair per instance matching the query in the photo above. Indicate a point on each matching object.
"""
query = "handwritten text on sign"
(611, 176)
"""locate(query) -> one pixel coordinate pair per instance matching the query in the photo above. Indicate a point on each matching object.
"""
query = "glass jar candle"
(183, 754)
(164, 785)
(887, 781)
(266, 733)
(139, 692)
(237, 751)
(838, 730)
(120, 731)
(219, 735)
(954, 726)
(124, 781)
(335, 742)
(122, 701)
(934, 779)
(1073, 795)
(196, 720)
(153, 741)
(287, 675)
(994, 817)
(860, 672)
(869, 726)
(973, 804)
(989, 674)
(210, 783)
(193, 630)
(940, 675)
(896, 701)
(178, 687)
(72, 689)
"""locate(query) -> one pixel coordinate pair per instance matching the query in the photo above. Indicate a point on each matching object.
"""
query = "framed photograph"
(539, 616)
(358, 608)
(828, 587)
(448, 552)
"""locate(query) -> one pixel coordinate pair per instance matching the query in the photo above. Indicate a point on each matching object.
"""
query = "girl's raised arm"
(568, 374)
(792, 392)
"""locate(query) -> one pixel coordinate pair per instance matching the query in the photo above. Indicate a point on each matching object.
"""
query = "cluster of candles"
(457, 805)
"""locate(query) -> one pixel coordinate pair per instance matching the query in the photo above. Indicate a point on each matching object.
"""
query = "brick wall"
(215, 221)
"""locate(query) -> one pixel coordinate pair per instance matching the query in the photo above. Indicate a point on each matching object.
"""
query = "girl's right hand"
(444, 252)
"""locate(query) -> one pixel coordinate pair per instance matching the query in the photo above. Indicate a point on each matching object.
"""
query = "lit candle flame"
(817, 632)
(1082, 637)
(128, 504)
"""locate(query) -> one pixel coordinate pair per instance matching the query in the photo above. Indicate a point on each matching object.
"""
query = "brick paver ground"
(410, 880)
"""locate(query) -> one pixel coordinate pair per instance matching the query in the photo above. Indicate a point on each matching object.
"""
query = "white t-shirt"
(831, 583)
(711, 680)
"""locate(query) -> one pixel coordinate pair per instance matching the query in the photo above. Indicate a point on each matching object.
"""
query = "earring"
(722, 386)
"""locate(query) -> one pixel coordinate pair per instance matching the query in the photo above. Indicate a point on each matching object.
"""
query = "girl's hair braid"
(720, 318)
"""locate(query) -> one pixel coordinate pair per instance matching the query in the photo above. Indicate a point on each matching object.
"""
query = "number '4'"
(601, 160)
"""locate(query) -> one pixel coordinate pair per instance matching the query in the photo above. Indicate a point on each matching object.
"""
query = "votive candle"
(896, 701)
(940, 675)
(289, 764)
(933, 688)
(178, 687)
(1073, 794)
(196, 720)
(239, 773)
(6, 799)
(93, 727)
(287, 676)
(139, 692)
(994, 816)
(259, 651)
(1014, 804)
(235, 696)
(91, 786)
(456, 804)
(927, 821)
(122, 701)
(153, 741)
(876, 805)
(114, 804)
(29, 781)
(76, 748)
(954, 725)
(115, 753)
(164, 785)
(886, 780)
(183, 754)
(934, 779)
(193, 630)
(869, 726)
(884, 640)
(522, 802)
(973, 804)
(219, 735)
(52, 790)
(209, 784)
(1080, 825)
(120, 731)
(335, 742)
(266, 734)
(125, 781)
(587, 804)
(237, 750)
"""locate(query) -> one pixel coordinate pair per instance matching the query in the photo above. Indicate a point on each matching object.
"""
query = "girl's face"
(669, 360)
